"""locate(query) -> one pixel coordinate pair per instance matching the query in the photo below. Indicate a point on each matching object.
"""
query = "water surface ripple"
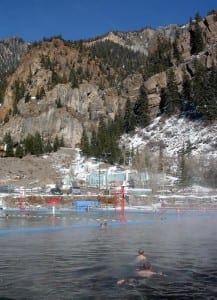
(71, 262)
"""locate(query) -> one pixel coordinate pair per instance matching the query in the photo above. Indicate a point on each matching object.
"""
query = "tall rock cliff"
(60, 88)
(11, 50)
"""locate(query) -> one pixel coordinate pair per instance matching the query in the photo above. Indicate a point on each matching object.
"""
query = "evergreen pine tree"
(27, 97)
(101, 137)
(129, 117)
(163, 100)
(56, 144)
(198, 17)
(196, 37)
(209, 104)
(84, 145)
(9, 142)
(55, 78)
(62, 143)
(187, 103)
(176, 51)
(111, 147)
(159, 60)
(115, 153)
(3, 85)
(94, 145)
(19, 89)
(199, 83)
(141, 108)
(172, 104)
(118, 125)
(73, 79)
(188, 148)
(19, 151)
(29, 144)
(58, 103)
(15, 109)
(48, 147)
(38, 144)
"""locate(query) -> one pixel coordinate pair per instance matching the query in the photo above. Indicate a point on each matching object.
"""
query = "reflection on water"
(69, 257)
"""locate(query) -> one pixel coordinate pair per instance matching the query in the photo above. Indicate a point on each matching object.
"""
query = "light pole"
(99, 178)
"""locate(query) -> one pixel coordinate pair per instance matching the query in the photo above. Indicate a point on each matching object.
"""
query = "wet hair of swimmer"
(141, 251)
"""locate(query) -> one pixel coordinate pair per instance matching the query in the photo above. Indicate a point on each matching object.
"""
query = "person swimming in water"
(103, 225)
(143, 271)
(146, 271)
(141, 256)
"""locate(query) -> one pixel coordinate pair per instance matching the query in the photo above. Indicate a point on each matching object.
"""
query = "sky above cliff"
(82, 19)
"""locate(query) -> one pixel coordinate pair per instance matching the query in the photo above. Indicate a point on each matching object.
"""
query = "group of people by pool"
(143, 268)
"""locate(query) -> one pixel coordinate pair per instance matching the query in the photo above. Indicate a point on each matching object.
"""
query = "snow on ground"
(174, 133)
(83, 167)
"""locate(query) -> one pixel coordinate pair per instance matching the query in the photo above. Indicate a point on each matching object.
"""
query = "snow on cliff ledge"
(173, 133)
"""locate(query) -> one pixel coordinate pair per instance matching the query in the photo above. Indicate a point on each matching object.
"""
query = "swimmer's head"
(141, 251)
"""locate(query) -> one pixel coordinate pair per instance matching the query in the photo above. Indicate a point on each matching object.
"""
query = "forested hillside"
(89, 93)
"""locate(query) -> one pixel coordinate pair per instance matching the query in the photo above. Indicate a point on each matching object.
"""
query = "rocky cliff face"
(54, 105)
(11, 50)
(146, 40)
(80, 106)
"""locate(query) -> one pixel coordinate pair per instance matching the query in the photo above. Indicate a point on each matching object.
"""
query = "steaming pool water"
(69, 257)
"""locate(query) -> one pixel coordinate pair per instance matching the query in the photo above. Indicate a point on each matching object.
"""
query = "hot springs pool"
(69, 257)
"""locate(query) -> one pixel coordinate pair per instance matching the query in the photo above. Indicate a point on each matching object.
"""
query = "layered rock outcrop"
(63, 109)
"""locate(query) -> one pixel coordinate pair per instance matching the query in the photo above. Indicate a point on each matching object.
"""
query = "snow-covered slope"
(173, 133)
